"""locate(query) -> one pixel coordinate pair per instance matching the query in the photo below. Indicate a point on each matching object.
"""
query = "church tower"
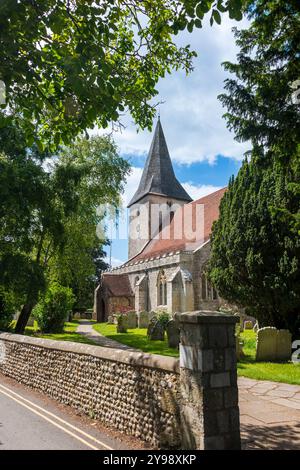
(158, 188)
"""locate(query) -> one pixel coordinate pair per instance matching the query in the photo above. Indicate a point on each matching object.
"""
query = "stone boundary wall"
(133, 392)
(189, 404)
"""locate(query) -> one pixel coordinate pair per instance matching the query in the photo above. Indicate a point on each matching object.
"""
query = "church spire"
(158, 176)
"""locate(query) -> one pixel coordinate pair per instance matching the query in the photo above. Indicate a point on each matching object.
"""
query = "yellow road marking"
(92, 438)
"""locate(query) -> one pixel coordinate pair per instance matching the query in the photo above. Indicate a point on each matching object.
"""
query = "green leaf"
(216, 16)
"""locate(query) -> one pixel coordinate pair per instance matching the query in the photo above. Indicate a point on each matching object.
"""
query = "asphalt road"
(29, 422)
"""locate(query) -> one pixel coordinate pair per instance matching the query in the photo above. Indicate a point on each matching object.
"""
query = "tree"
(38, 207)
(255, 257)
(71, 64)
(103, 171)
(260, 100)
(255, 243)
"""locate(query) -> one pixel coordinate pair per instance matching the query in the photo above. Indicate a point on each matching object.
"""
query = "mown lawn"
(69, 333)
(247, 367)
(278, 372)
(136, 338)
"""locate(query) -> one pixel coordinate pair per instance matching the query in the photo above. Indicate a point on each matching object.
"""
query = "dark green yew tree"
(255, 260)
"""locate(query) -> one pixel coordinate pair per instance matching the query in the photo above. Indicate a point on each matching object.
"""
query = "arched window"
(162, 289)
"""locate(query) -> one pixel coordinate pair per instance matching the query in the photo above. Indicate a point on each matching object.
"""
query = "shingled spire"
(158, 176)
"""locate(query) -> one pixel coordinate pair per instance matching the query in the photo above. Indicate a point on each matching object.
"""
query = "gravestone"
(143, 319)
(173, 334)
(110, 320)
(151, 324)
(131, 320)
(284, 345)
(273, 344)
(157, 332)
(122, 323)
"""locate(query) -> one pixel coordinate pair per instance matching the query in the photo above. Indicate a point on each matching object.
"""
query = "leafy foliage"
(48, 215)
(7, 308)
(80, 263)
(70, 65)
(255, 242)
(255, 254)
(259, 100)
(52, 310)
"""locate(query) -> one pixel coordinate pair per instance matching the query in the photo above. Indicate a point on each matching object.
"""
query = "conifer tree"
(255, 260)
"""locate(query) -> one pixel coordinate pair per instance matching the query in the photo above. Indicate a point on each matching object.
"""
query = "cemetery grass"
(69, 333)
(247, 367)
(136, 338)
(286, 372)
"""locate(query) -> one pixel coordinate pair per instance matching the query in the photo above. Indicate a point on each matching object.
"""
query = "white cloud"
(132, 183)
(192, 114)
(197, 191)
(194, 190)
(114, 261)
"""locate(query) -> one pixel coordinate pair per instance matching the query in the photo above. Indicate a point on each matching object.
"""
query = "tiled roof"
(157, 247)
(158, 176)
(118, 285)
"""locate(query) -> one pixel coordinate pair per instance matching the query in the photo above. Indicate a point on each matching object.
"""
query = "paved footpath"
(270, 411)
(270, 414)
(86, 329)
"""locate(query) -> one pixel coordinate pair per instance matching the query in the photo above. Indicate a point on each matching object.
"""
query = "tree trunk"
(23, 318)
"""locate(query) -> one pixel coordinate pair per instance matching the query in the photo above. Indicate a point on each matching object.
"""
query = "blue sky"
(203, 151)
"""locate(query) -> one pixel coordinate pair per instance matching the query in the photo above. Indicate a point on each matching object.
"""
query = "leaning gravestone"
(131, 320)
(273, 344)
(143, 319)
(157, 332)
(173, 334)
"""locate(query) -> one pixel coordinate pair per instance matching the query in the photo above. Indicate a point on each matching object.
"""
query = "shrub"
(163, 317)
(53, 309)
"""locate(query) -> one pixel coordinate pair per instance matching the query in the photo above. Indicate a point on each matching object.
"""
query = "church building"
(168, 246)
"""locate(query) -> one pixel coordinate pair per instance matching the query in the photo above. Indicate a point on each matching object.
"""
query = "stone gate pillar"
(208, 381)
